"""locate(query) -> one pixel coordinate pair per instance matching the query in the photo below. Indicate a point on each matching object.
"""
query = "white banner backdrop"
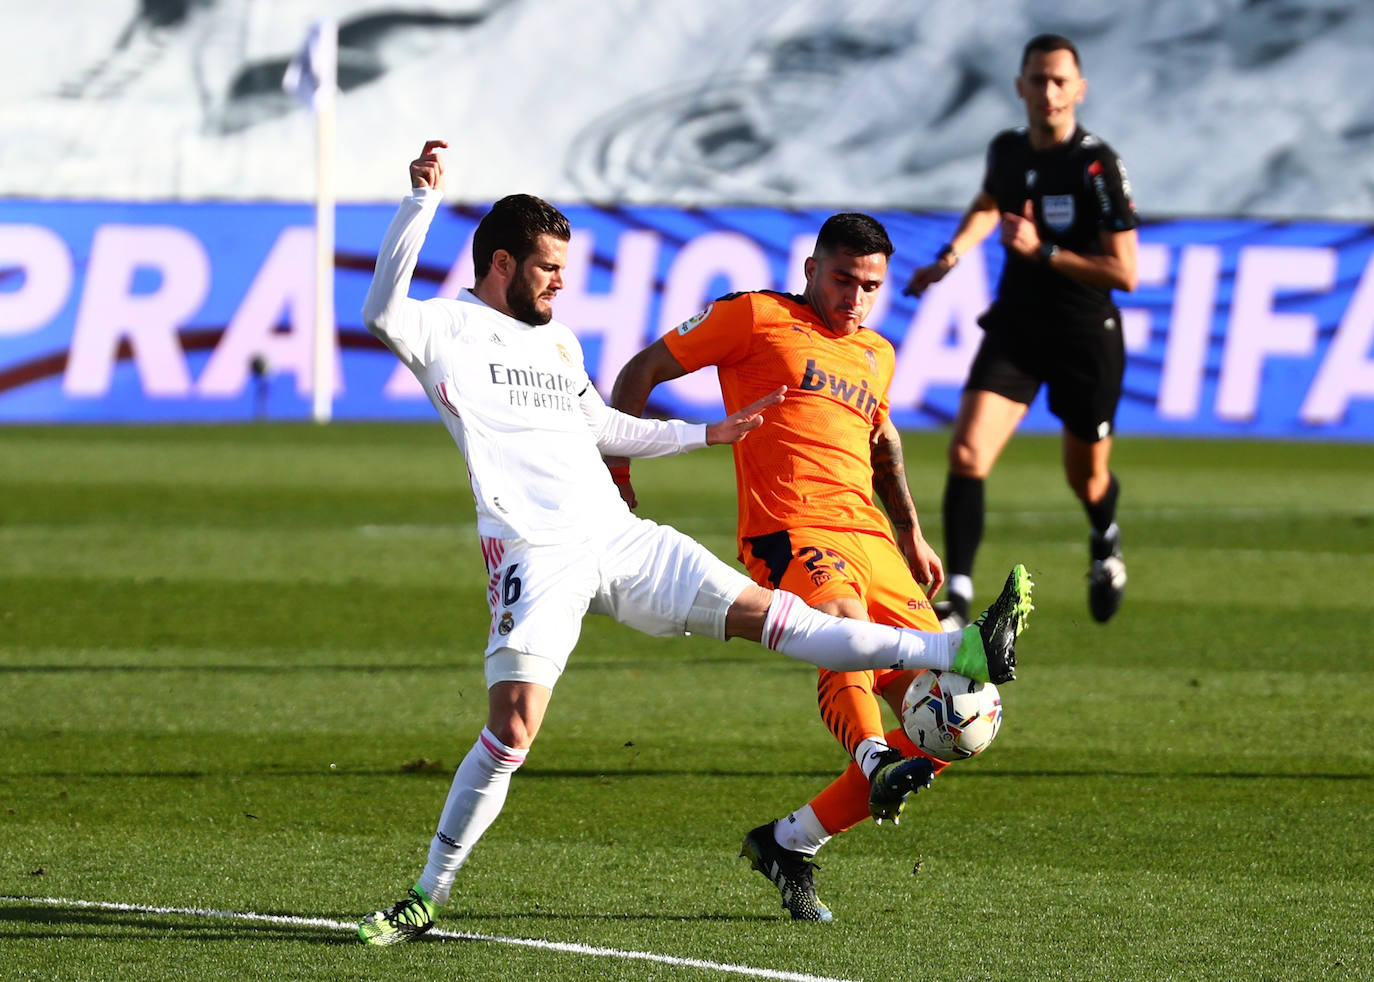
(1218, 107)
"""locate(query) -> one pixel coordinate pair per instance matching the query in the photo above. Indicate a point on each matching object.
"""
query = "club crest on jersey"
(1058, 210)
(817, 379)
(872, 360)
(694, 320)
(507, 624)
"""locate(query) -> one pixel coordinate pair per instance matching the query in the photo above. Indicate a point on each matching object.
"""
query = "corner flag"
(312, 77)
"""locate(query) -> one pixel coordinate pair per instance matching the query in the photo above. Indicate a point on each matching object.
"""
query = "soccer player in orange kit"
(808, 522)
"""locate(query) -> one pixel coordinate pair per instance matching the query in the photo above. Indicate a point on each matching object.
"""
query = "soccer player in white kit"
(510, 385)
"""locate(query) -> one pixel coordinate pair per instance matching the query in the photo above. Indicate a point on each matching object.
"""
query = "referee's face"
(1051, 86)
(841, 287)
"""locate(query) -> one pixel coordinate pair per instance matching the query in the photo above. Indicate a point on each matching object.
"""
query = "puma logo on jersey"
(816, 379)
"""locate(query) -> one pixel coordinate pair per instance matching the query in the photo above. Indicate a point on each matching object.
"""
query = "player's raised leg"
(984, 651)
(989, 647)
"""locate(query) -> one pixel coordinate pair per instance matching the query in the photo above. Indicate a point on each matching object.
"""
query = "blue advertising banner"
(203, 312)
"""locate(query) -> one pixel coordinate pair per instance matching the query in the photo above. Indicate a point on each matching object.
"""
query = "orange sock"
(849, 708)
(844, 803)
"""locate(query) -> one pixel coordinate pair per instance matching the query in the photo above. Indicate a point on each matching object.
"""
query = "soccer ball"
(950, 716)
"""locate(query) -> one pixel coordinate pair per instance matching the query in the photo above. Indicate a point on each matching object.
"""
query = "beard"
(524, 303)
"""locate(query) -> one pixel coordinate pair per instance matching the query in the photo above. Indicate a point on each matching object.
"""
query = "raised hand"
(427, 170)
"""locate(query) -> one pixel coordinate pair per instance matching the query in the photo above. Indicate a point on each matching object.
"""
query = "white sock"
(842, 644)
(474, 800)
(801, 832)
(866, 754)
(959, 585)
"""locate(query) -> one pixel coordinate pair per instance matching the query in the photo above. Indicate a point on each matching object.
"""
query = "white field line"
(1229, 551)
(350, 927)
(426, 531)
(1247, 511)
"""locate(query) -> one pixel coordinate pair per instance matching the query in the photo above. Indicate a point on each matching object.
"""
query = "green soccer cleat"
(987, 652)
(790, 871)
(894, 779)
(406, 920)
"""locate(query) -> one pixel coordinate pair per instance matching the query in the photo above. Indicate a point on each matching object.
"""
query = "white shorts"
(649, 577)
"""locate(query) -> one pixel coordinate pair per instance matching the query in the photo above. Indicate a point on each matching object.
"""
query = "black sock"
(963, 513)
(1103, 514)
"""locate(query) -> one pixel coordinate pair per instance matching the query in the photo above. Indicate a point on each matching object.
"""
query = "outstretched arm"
(975, 225)
(627, 436)
(630, 394)
(641, 374)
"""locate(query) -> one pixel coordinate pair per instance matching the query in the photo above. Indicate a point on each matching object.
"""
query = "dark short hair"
(513, 224)
(855, 233)
(1045, 43)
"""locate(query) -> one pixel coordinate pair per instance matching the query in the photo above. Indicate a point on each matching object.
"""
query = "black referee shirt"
(1078, 187)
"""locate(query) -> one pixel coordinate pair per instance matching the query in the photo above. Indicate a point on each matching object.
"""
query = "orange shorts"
(822, 564)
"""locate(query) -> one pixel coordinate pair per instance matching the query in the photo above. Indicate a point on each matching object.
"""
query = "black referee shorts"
(1081, 361)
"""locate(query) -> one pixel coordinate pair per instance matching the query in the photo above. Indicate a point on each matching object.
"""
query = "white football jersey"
(516, 398)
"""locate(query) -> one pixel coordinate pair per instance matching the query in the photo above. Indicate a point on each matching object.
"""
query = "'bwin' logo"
(815, 379)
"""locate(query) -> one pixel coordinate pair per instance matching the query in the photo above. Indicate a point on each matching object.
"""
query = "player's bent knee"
(746, 615)
(511, 731)
(721, 592)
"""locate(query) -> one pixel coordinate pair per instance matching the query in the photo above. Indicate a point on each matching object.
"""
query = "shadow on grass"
(199, 669)
(64, 923)
(455, 920)
(44, 923)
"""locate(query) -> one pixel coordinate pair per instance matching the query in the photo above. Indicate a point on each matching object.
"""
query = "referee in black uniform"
(1060, 198)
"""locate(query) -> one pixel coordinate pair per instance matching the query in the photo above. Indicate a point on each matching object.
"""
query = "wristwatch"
(1046, 252)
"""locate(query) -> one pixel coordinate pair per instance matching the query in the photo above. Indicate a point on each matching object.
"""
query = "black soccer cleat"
(893, 781)
(1106, 575)
(988, 650)
(792, 872)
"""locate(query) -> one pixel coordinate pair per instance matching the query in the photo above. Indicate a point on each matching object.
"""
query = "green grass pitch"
(238, 666)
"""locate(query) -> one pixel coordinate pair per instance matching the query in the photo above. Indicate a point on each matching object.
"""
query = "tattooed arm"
(889, 483)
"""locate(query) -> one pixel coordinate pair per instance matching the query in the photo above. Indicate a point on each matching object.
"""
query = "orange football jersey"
(809, 464)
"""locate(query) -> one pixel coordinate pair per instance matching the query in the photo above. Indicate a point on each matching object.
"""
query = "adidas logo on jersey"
(816, 379)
